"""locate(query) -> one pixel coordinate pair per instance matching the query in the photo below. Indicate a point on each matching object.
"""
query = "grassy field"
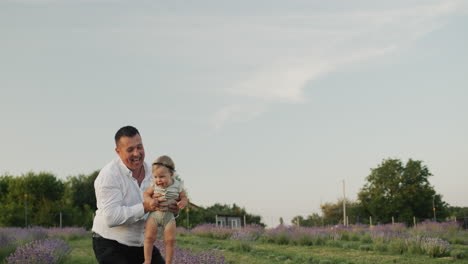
(236, 252)
(267, 253)
(82, 252)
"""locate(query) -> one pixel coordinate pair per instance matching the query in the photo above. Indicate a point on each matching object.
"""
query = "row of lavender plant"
(39, 245)
(47, 251)
(426, 238)
(188, 256)
(36, 244)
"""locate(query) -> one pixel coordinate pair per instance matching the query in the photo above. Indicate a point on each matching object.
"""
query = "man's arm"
(110, 199)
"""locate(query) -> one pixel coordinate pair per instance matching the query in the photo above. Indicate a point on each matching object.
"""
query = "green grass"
(268, 253)
(82, 252)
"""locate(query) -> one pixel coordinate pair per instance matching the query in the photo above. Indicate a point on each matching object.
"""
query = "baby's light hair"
(164, 161)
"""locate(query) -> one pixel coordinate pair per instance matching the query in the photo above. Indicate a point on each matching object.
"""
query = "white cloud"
(241, 112)
(298, 50)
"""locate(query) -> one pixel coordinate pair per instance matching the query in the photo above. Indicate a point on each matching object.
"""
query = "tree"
(202, 215)
(79, 200)
(80, 190)
(311, 220)
(401, 191)
(297, 220)
(41, 192)
(333, 212)
(457, 211)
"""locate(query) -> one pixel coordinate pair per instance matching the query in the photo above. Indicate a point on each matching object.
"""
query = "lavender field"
(426, 243)
(37, 244)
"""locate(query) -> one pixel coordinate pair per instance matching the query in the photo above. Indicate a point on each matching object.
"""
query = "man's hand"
(153, 202)
(162, 205)
(173, 208)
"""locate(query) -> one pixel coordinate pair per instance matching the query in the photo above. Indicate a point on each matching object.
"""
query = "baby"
(171, 189)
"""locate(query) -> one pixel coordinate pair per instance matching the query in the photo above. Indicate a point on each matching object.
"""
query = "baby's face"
(162, 177)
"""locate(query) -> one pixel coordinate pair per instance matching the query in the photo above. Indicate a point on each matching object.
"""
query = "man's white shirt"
(120, 214)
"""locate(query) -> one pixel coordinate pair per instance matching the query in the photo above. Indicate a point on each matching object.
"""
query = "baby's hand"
(182, 204)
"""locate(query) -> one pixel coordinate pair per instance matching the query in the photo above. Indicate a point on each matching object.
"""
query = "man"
(118, 227)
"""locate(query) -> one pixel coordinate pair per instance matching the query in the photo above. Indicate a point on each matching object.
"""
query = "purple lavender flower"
(188, 256)
(68, 233)
(47, 251)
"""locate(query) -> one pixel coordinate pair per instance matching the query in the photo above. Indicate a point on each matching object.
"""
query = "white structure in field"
(232, 221)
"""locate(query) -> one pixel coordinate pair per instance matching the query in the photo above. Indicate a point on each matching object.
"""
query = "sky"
(270, 105)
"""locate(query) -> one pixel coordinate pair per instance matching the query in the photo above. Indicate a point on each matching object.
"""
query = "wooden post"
(188, 223)
(344, 205)
(370, 220)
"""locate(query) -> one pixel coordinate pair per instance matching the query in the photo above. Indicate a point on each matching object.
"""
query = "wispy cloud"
(302, 49)
(240, 112)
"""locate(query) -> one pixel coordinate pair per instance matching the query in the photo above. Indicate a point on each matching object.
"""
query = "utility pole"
(344, 205)
(188, 225)
(25, 210)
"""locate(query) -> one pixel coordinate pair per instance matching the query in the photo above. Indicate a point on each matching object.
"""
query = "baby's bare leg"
(169, 240)
(151, 232)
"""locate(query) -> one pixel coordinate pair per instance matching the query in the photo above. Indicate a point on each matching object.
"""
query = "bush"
(458, 254)
(435, 247)
(364, 247)
(379, 246)
(334, 243)
(47, 251)
(367, 239)
(243, 246)
(398, 246)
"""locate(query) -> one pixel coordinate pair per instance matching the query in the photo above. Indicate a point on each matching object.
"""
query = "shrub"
(182, 255)
(414, 244)
(47, 251)
(366, 239)
(334, 243)
(364, 247)
(7, 244)
(212, 231)
(435, 247)
(458, 254)
(380, 246)
(398, 245)
(67, 233)
(243, 246)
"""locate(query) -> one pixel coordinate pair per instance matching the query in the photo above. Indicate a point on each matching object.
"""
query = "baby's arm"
(183, 200)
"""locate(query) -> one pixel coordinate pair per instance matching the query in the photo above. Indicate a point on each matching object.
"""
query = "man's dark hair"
(126, 131)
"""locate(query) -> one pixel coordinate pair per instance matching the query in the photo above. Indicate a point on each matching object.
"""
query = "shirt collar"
(126, 171)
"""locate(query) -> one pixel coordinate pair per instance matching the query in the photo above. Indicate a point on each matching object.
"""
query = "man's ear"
(117, 150)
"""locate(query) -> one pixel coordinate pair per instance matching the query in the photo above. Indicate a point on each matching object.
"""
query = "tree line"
(393, 192)
(41, 199)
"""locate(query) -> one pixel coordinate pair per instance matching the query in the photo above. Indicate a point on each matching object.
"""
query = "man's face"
(131, 151)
